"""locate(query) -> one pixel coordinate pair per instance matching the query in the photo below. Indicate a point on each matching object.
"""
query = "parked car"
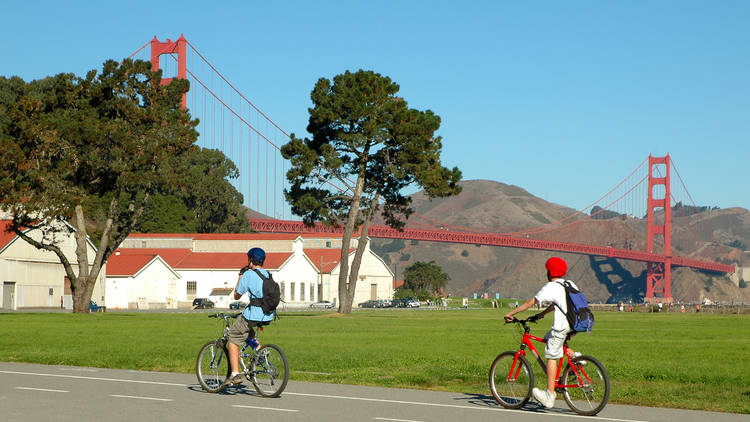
(237, 304)
(323, 304)
(399, 303)
(412, 303)
(202, 303)
(368, 304)
(93, 307)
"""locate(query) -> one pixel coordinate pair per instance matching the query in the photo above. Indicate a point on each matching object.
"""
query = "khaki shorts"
(240, 330)
(554, 347)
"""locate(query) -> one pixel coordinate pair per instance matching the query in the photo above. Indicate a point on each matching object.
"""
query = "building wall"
(117, 292)
(229, 245)
(206, 280)
(372, 271)
(154, 287)
(38, 275)
(298, 278)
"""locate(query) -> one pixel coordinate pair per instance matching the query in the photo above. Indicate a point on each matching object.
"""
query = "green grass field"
(691, 361)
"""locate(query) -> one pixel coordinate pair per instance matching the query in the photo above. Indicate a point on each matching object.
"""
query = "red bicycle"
(584, 383)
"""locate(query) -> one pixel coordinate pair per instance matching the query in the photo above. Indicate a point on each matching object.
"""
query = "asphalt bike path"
(30, 392)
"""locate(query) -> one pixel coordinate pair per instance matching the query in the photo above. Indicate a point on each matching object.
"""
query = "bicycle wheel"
(511, 380)
(212, 366)
(270, 370)
(592, 391)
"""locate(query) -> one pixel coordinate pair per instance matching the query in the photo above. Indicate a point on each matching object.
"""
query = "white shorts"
(554, 347)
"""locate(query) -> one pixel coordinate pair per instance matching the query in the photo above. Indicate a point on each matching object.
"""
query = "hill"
(497, 207)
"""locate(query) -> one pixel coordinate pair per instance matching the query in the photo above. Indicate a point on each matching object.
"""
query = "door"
(373, 291)
(9, 294)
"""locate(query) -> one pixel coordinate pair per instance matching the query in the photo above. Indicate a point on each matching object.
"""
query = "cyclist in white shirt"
(552, 293)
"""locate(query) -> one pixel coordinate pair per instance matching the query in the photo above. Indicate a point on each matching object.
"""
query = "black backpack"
(271, 294)
(579, 316)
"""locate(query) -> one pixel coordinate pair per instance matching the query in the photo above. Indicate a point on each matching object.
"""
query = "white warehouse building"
(34, 278)
(170, 270)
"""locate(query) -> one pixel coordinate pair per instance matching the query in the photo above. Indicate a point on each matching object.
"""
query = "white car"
(412, 304)
(324, 304)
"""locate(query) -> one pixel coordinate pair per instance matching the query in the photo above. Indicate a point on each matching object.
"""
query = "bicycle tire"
(592, 394)
(212, 366)
(270, 370)
(511, 390)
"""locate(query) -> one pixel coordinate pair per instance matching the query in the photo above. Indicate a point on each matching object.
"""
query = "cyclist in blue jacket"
(248, 282)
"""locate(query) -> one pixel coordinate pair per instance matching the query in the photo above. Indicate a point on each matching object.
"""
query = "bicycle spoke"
(270, 371)
(212, 367)
(511, 380)
(588, 386)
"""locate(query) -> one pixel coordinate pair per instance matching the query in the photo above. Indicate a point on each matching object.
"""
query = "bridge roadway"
(491, 239)
(31, 393)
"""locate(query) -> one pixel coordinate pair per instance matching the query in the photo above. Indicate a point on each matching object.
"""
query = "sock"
(235, 373)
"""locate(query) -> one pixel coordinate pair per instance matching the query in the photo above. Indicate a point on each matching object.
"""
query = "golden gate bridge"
(633, 221)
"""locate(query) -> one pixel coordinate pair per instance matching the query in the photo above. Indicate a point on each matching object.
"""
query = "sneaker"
(232, 380)
(544, 397)
(576, 355)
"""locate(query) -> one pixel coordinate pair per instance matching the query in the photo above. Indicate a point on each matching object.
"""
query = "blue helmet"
(257, 256)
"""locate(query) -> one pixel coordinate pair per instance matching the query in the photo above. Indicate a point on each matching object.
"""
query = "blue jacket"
(252, 284)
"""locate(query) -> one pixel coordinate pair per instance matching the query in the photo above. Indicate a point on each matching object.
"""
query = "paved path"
(31, 393)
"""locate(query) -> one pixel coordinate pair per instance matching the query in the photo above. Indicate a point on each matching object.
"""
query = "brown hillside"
(497, 207)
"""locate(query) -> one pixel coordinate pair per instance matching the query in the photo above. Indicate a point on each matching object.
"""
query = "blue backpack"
(579, 316)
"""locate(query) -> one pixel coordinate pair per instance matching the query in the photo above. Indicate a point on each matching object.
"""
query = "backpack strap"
(254, 300)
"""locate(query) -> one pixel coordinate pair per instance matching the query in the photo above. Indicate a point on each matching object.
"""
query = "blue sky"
(564, 99)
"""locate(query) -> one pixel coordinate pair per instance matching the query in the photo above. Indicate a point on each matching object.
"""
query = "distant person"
(553, 293)
(698, 308)
(251, 283)
(630, 306)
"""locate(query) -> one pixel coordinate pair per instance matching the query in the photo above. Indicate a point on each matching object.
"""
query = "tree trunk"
(346, 293)
(82, 294)
(361, 246)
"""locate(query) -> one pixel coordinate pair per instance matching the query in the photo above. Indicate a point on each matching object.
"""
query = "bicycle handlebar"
(223, 315)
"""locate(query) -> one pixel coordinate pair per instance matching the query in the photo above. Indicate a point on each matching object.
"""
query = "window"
(282, 289)
(328, 243)
(302, 292)
(191, 287)
(291, 291)
(312, 291)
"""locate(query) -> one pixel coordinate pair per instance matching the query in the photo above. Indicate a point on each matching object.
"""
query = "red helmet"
(556, 267)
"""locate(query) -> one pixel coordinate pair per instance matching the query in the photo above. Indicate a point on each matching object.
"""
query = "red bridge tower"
(659, 273)
(178, 47)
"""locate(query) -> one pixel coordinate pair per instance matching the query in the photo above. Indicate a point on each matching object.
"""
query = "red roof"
(128, 261)
(127, 264)
(325, 260)
(172, 256)
(5, 237)
(229, 260)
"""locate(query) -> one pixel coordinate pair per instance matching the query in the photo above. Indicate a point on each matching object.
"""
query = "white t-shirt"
(554, 292)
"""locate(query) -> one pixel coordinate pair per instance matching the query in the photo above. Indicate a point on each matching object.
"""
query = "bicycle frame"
(527, 341)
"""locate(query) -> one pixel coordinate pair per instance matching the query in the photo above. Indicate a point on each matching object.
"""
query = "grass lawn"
(691, 361)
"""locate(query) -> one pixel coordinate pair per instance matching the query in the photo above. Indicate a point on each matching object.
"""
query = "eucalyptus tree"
(366, 146)
(67, 142)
